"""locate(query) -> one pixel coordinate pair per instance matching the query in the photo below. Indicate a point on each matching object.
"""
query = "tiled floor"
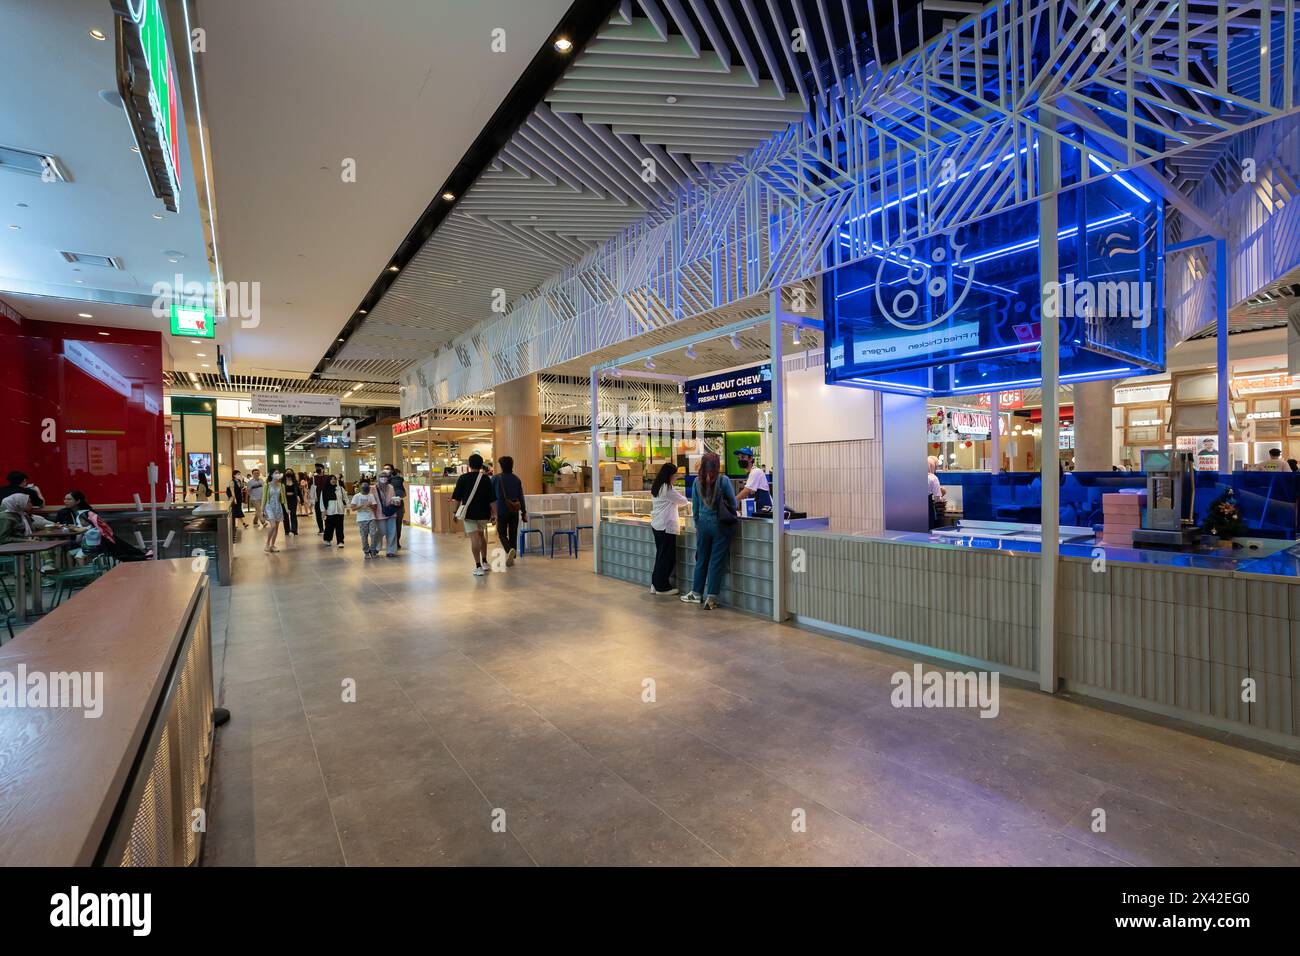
(518, 699)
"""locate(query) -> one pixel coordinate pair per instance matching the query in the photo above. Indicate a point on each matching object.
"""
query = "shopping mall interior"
(649, 432)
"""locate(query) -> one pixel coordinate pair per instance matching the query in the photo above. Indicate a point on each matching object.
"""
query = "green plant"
(551, 464)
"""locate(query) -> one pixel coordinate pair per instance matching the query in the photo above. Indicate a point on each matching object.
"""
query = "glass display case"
(635, 507)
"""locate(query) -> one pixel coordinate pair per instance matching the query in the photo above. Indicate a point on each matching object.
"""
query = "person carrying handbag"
(511, 507)
(475, 505)
(713, 503)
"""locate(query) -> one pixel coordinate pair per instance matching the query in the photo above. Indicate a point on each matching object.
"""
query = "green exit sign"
(194, 321)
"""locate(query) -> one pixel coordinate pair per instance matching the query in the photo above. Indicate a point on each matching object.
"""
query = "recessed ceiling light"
(564, 44)
(157, 215)
(78, 281)
(135, 149)
(361, 311)
(173, 260)
(340, 338)
(105, 334)
(670, 99)
(84, 315)
(201, 354)
(449, 196)
(99, 34)
(394, 269)
(204, 365)
(12, 226)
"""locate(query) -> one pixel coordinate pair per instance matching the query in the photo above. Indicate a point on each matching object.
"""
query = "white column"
(1049, 175)
(995, 416)
(778, 460)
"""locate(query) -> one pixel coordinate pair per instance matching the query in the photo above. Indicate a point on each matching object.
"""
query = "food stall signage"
(412, 424)
(1252, 384)
(746, 386)
(967, 422)
(1006, 400)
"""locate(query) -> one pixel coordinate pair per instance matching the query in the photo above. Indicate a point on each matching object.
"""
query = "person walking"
(291, 496)
(256, 492)
(235, 495)
(399, 488)
(304, 495)
(664, 522)
(318, 483)
(333, 510)
(475, 496)
(713, 503)
(511, 507)
(390, 506)
(273, 510)
(365, 505)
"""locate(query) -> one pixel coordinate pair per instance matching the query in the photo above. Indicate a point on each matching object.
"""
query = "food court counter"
(1172, 633)
(627, 552)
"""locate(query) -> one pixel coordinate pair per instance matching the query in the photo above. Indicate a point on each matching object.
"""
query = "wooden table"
(62, 536)
(22, 550)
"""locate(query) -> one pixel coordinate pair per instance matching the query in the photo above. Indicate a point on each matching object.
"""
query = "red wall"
(103, 394)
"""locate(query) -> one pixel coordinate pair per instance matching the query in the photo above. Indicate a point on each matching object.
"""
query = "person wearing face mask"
(274, 509)
(365, 504)
(398, 484)
(390, 507)
(332, 510)
(318, 483)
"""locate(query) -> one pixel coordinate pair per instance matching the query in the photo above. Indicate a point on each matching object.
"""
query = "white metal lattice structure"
(1130, 83)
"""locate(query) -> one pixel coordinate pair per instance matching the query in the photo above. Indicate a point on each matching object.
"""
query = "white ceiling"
(295, 87)
(53, 74)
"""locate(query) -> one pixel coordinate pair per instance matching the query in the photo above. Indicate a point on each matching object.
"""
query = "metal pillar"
(595, 471)
(778, 460)
(1049, 172)
(1221, 349)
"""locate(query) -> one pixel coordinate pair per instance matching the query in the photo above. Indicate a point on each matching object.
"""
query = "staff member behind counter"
(756, 485)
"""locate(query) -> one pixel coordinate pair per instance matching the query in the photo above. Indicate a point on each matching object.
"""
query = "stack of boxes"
(1121, 516)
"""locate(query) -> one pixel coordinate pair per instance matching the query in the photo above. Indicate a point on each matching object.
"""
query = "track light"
(690, 351)
(735, 341)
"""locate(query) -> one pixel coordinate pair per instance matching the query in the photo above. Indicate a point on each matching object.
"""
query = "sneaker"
(340, 547)
(478, 572)
(510, 558)
(690, 597)
(710, 603)
(666, 593)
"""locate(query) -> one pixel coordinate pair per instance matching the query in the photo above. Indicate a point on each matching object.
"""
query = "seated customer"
(99, 537)
(17, 485)
(15, 518)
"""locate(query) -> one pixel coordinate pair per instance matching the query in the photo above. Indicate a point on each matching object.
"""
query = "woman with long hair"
(99, 537)
(713, 504)
(332, 509)
(274, 505)
(664, 522)
(290, 496)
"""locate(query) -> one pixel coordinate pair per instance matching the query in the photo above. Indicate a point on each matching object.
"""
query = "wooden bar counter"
(120, 788)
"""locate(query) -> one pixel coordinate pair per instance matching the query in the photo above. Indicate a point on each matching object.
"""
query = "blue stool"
(523, 539)
(588, 527)
(572, 537)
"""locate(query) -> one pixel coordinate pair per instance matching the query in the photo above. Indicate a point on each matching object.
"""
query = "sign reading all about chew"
(746, 386)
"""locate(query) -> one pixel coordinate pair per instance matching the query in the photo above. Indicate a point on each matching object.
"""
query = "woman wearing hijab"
(332, 509)
(15, 518)
(274, 506)
(713, 504)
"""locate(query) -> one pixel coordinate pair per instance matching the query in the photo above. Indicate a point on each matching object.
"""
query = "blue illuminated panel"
(962, 312)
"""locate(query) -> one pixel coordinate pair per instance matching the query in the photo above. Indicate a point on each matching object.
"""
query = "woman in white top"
(664, 522)
(365, 503)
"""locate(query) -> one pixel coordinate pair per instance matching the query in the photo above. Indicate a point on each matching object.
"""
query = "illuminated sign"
(301, 403)
(1012, 399)
(412, 424)
(85, 358)
(967, 422)
(746, 386)
(1254, 384)
(148, 86)
(194, 321)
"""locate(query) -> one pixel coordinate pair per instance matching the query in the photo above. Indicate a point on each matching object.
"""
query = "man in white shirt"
(756, 485)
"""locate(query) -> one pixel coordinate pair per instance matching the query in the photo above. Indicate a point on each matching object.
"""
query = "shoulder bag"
(464, 508)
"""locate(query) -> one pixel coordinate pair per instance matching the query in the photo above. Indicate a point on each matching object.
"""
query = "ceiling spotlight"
(84, 315)
(157, 215)
(201, 354)
(105, 334)
(563, 45)
(449, 196)
(361, 311)
(135, 149)
(99, 34)
(735, 341)
(650, 363)
(690, 351)
(393, 269)
(798, 331)
(670, 99)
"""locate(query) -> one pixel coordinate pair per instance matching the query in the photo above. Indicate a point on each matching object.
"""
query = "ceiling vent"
(106, 262)
(41, 165)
